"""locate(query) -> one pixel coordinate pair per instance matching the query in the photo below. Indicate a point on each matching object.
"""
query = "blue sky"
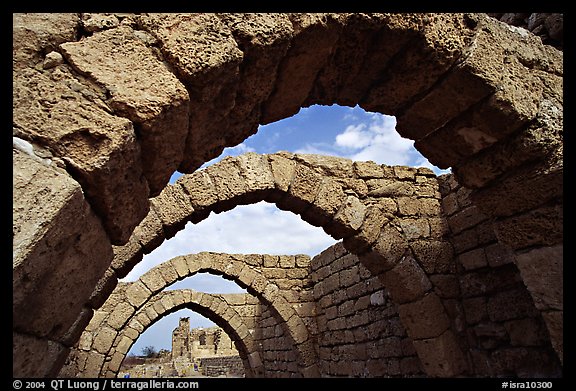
(262, 228)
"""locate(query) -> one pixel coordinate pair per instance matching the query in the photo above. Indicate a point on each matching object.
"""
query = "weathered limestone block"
(441, 356)
(406, 281)
(49, 243)
(434, 256)
(415, 228)
(229, 183)
(103, 339)
(542, 272)
(104, 287)
(247, 275)
(180, 264)
(33, 357)
(201, 192)
(345, 79)
(538, 227)
(154, 280)
(100, 149)
(435, 43)
(204, 54)
(367, 170)
(473, 259)
(255, 169)
(137, 293)
(410, 206)
(302, 191)
(150, 232)
(142, 90)
(127, 256)
(173, 208)
(514, 64)
(168, 272)
(369, 232)
(392, 188)
(167, 301)
(34, 34)
(555, 324)
(120, 315)
(93, 22)
(327, 165)
(264, 40)
(541, 140)
(348, 219)
(386, 251)
(524, 189)
(424, 318)
(314, 38)
(283, 169)
(511, 304)
(326, 203)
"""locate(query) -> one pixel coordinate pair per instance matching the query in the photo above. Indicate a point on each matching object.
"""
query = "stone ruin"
(449, 276)
(200, 351)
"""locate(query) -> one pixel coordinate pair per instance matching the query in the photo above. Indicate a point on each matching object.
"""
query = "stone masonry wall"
(359, 331)
(496, 316)
(107, 106)
(222, 366)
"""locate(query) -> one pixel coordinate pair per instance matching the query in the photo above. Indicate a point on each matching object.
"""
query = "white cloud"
(354, 136)
(230, 151)
(251, 229)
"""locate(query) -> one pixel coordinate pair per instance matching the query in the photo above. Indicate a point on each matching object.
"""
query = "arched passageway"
(93, 143)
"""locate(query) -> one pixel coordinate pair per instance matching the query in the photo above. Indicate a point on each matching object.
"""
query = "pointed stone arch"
(383, 214)
(214, 307)
(129, 298)
(475, 94)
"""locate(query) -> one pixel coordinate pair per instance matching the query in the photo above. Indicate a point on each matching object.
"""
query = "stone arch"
(128, 298)
(383, 214)
(475, 94)
(108, 345)
(214, 307)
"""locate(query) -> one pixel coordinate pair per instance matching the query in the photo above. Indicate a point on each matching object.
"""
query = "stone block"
(104, 339)
(326, 203)
(434, 256)
(153, 280)
(150, 232)
(446, 286)
(120, 315)
(424, 318)
(526, 332)
(497, 255)
(155, 101)
(173, 208)
(511, 304)
(473, 259)
(368, 170)
(303, 188)
(465, 219)
(33, 357)
(35, 34)
(450, 204)
(48, 238)
(314, 39)
(406, 281)
(542, 272)
(100, 148)
(415, 228)
(229, 183)
(137, 293)
(201, 192)
(441, 356)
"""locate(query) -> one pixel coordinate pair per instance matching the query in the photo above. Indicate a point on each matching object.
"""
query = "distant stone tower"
(181, 339)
